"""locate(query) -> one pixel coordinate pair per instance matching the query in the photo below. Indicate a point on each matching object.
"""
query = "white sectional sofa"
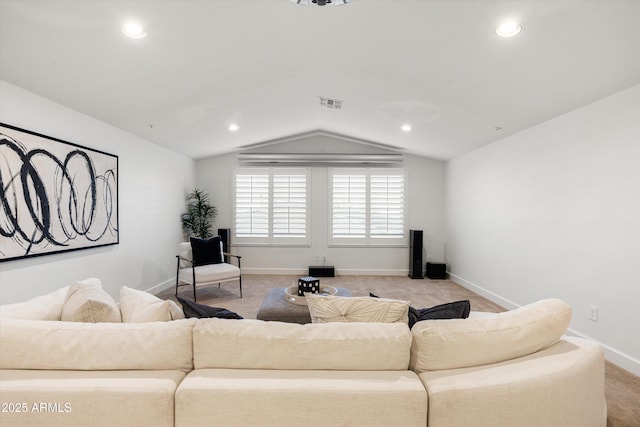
(508, 369)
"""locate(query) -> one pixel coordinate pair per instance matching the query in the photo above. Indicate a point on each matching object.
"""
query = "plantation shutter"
(367, 207)
(290, 206)
(349, 206)
(252, 206)
(386, 206)
(272, 207)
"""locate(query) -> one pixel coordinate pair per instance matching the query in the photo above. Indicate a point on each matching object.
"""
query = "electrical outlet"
(593, 313)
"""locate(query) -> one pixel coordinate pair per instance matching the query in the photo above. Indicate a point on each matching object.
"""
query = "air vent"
(333, 104)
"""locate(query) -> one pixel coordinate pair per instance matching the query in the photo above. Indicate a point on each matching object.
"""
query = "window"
(367, 206)
(271, 206)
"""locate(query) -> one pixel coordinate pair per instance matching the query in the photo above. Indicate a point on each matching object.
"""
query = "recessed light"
(509, 29)
(406, 127)
(134, 30)
(233, 127)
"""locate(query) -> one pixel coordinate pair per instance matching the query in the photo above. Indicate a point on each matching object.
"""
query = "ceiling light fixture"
(321, 2)
(233, 127)
(508, 29)
(406, 127)
(134, 30)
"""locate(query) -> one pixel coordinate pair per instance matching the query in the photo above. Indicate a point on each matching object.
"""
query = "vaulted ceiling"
(437, 65)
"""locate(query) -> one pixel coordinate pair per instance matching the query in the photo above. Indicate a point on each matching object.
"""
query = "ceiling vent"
(332, 104)
(321, 2)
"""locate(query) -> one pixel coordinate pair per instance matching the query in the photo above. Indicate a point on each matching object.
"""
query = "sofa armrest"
(560, 385)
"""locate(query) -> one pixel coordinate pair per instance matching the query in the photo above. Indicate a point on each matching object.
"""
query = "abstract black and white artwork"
(55, 196)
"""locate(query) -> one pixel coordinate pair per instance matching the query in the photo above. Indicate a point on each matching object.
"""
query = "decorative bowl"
(291, 294)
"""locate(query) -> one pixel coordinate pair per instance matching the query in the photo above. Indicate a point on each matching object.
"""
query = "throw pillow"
(193, 309)
(87, 302)
(450, 310)
(44, 307)
(331, 308)
(206, 251)
(138, 307)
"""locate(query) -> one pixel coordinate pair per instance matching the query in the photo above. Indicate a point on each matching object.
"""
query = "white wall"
(554, 211)
(425, 200)
(152, 185)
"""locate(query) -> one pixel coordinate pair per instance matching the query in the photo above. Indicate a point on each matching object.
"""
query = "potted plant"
(200, 215)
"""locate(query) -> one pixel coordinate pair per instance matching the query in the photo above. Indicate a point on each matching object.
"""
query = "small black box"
(322, 271)
(308, 284)
(436, 271)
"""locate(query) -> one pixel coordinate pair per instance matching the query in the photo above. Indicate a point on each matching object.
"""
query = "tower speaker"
(225, 236)
(415, 254)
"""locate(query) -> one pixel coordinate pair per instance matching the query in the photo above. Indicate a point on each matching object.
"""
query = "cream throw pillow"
(87, 302)
(332, 308)
(138, 306)
(44, 307)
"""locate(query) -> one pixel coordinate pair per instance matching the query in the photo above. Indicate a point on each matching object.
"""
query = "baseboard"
(613, 355)
(368, 272)
(339, 272)
(493, 297)
(276, 271)
(161, 286)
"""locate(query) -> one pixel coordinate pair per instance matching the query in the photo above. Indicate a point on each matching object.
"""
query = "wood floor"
(622, 389)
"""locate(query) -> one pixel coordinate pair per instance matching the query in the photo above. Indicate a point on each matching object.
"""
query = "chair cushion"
(211, 273)
(87, 302)
(138, 306)
(206, 251)
(356, 309)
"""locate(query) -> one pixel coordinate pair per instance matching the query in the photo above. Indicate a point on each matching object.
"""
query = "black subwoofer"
(436, 270)
(322, 271)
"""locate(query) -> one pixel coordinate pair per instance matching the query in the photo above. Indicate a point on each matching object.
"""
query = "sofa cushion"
(253, 397)
(459, 343)
(256, 344)
(121, 398)
(44, 307)
(87, 302)
(39, 344)
(138, 306)
(330, 308)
